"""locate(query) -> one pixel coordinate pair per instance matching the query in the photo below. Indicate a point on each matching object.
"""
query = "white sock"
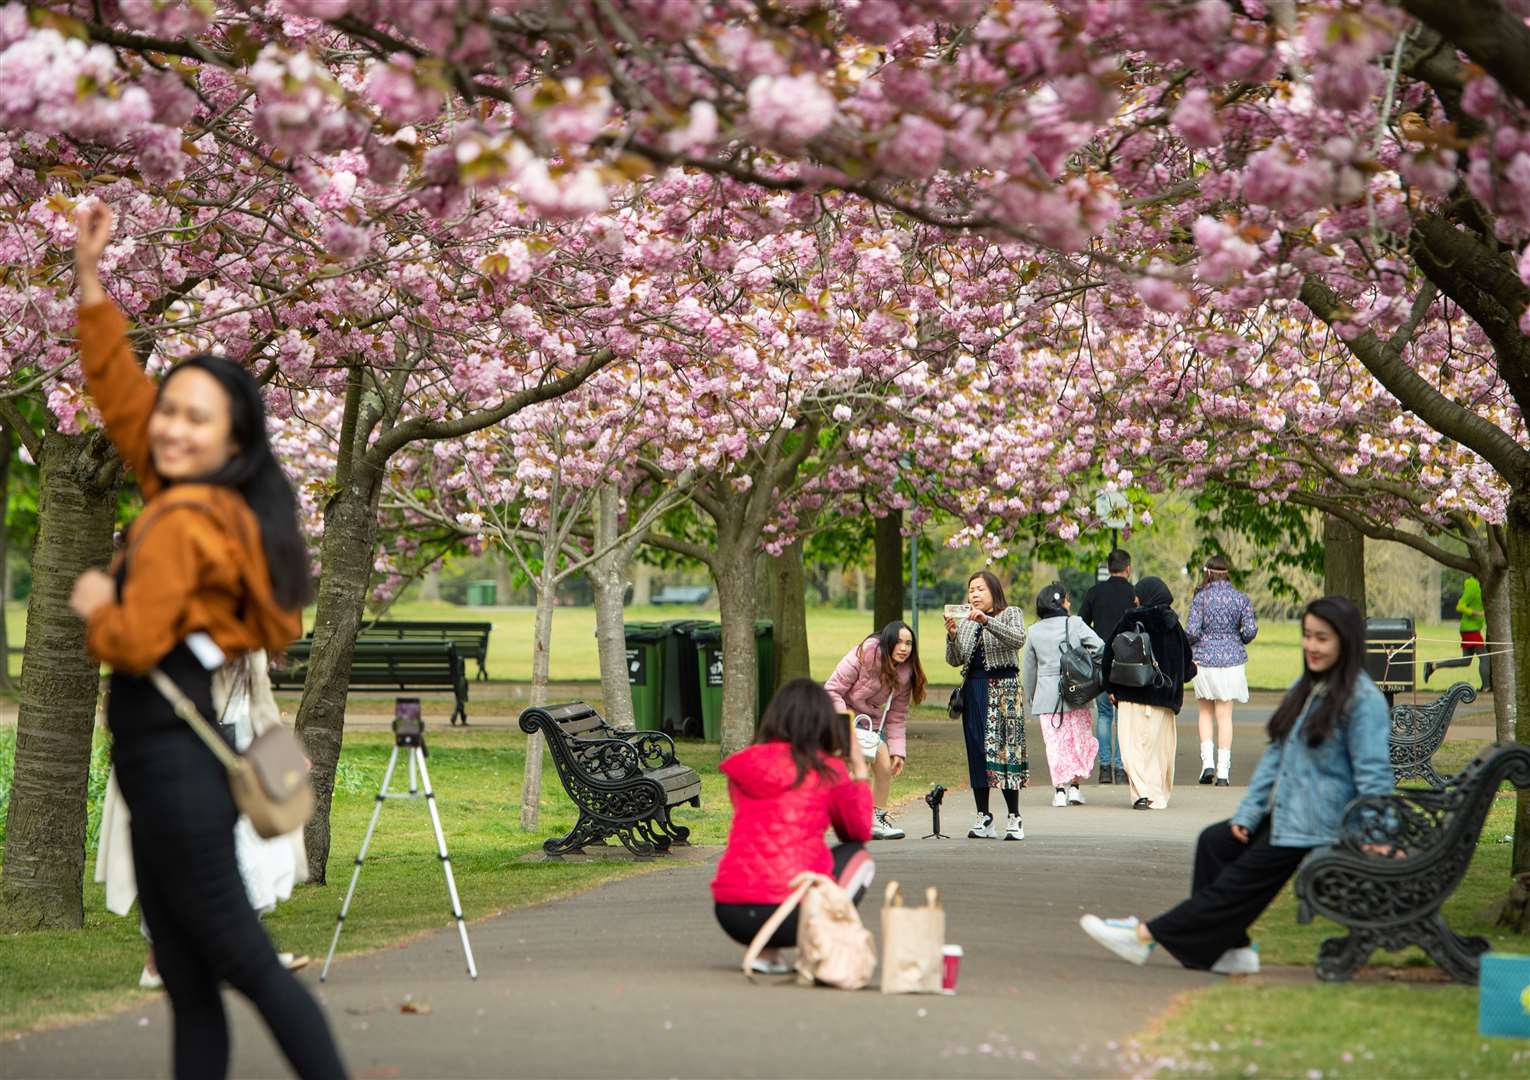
(1208, 749)
(1224, 763)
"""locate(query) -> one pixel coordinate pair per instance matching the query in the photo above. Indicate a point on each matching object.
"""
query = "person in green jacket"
(1473, 619)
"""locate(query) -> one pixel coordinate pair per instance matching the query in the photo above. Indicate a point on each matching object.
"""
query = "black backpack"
(1078, 679)
(1132, 663)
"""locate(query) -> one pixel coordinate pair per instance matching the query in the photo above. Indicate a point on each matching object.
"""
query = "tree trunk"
(887, 605)
(541, 659)
(350, 539)
(1517, 530)
(430, 584)
(1343, 561)
(7, 446)
(608, 578)
(788, 613)
(860, 588)
(43, 878)
(733, 568)
(504, 580)
(642, 584)
(1496, 604)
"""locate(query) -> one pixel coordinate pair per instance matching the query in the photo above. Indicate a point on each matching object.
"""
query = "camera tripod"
(408, 735)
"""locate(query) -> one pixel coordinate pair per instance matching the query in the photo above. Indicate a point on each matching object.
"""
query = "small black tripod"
(408, 735)
(934, 798)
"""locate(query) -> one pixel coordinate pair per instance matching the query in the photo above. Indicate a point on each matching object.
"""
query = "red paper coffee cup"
(952, 957)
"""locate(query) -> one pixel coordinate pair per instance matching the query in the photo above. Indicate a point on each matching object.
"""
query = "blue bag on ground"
(1503, 995)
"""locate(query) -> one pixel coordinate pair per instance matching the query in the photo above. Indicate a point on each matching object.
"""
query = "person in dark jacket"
(1145, 714)
(1104, 604)
(787, 790)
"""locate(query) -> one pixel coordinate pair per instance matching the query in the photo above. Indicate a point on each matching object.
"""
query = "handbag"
(871, 738)
(1078, 678)
(1503, 996)
(956, 707)
(1132, 663)
(269, 781)
(913, 941)
(833, 947)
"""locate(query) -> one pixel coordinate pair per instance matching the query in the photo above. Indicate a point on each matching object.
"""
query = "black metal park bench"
(1398, 859)
(387, 665)
(623, 783)
(1418, 731)
(471, 638)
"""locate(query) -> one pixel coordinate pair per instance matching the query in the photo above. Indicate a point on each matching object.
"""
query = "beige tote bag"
(912, 940)
(833, 948)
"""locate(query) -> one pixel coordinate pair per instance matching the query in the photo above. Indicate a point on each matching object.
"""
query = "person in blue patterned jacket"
(1221, 623)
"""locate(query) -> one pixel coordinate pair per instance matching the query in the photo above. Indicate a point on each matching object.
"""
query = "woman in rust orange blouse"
(216, 553)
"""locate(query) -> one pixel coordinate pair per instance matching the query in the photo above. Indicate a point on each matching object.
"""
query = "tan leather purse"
(269, 781)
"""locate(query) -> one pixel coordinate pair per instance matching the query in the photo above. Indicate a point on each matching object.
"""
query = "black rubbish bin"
(1390, 655)
(681, 708)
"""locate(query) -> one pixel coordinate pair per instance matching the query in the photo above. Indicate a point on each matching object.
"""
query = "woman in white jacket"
(270, 868)
(1068, 731)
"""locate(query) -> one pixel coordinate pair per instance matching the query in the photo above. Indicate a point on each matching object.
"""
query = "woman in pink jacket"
(787, 790)
(877, 678)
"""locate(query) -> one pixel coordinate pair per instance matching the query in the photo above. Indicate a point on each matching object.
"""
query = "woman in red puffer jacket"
(787, 790)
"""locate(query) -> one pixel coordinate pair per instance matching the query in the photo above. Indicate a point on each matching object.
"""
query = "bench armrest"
(1411, 822)
(606, 759)
(655, 748)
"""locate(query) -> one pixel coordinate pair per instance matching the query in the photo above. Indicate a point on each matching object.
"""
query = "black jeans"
(742, 921)
(1234, 882)
(193, 900)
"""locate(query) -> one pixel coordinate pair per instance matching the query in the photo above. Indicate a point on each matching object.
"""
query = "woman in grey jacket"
(1328, 744)
(985, 644)
(1068, 731)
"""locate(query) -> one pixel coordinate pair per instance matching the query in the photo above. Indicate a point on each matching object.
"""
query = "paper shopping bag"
(912, 940)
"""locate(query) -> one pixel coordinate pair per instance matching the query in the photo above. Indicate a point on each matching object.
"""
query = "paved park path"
(634, 978)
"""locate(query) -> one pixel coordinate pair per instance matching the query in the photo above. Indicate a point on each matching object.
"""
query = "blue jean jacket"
(1306, 788)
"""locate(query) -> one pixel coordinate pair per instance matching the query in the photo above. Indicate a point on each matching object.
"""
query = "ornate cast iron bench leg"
(1452, 953)
(1340, 957)
(585, 831)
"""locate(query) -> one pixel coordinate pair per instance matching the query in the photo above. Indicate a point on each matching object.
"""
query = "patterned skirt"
(994, 730)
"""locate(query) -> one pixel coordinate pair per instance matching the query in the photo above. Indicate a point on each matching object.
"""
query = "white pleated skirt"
(1222, 683)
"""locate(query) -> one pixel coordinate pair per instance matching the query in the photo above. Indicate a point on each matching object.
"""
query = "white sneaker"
(882, 829)
(149, 980)
(1244, 961)
(1059, 797)
(983, 828)
(1013, 829)
(1119, 936)
(1075, 796)
(771, 967)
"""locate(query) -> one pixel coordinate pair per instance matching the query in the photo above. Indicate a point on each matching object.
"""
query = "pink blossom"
(880, 22)
(790, 109)
(915, 149)
(1434, 173)
(1195, 119)
(174, 102)
(317, 9)
(1224, 254)
(162, 18)
(1275, 178)
(159, 156)
(1346, 86)
(1161, 295)
(399, 93)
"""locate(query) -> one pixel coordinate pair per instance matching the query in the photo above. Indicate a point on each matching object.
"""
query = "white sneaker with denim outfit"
(1119, 936)
(1013, 829)
(1075, 796)
(150, 980)
(983, 828)
(1059, 797)
(882, 829)
(1244, 961)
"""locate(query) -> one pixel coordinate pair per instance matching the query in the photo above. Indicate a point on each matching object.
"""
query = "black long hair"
(887, 641)
(802, 716)
(1346, 620)
(255, 473)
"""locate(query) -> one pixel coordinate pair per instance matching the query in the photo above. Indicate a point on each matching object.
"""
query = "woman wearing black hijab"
(1146, 714)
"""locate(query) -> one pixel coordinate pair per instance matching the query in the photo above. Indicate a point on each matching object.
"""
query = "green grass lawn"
(1247, 1027)
(1274, 657)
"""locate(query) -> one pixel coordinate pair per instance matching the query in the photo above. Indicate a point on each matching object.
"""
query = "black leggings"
(1011, 799)
(1234, 882)
(742, 921)
(198, 913)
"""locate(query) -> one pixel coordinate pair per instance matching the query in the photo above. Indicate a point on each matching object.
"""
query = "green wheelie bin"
(645, 672)
(707, 639)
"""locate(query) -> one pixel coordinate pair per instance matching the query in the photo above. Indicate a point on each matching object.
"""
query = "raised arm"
(1007, 628)
(119, 387)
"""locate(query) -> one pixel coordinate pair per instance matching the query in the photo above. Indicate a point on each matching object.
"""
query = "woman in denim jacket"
(1328, 745)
